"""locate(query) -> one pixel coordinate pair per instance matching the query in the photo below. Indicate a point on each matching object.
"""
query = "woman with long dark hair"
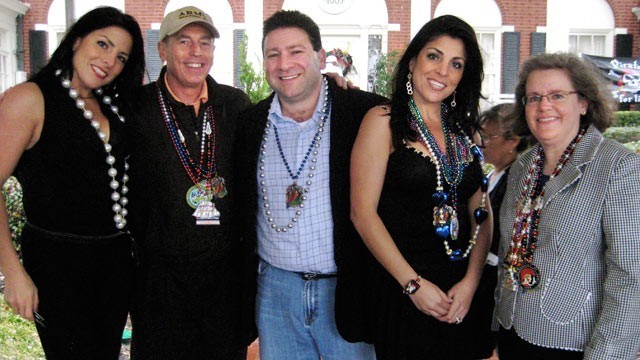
(61, 135)
(418, 199)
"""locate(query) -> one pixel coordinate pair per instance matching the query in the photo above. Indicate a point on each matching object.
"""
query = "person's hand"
(462, 295)
(21, 295)
(431, 300)
(342, 82)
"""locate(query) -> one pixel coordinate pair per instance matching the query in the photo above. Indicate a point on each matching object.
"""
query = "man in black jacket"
(191, 298)
(293, 157)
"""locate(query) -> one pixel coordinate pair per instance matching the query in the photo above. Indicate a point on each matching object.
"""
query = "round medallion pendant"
(196, 194)
(529, 276)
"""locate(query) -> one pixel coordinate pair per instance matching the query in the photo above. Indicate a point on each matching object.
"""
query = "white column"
(420, 14)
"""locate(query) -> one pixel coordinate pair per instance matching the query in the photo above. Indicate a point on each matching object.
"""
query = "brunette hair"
(467, 92)
(293, 19)
(585, 80)
(102, 17)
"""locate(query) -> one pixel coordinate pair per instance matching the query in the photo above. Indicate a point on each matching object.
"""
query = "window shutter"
(237, 40)
(154, 63)
(37, 50)
(538, 43)
(510, 61)
(624, 45)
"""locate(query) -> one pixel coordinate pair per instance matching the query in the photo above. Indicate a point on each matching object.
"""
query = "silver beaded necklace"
(326, 110)
(119, 199)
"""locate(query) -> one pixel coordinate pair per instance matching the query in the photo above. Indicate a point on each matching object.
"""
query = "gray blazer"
(588, 254)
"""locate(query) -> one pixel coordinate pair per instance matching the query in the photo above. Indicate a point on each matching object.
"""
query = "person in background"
(61, 135)
(192, 299)
(418, 199)
(294, 168)
(500, 147)
(569, 283)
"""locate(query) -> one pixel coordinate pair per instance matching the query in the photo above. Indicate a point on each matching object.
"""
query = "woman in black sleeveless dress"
(61, 135)
(419, 200)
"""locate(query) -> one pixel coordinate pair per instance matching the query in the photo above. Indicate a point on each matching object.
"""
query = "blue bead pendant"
(456, 255)
(475, 150)
(439, 197)
(480, 214)
(484, 184)
(443, 231)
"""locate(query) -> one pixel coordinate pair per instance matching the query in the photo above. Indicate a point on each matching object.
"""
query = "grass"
(18, 337)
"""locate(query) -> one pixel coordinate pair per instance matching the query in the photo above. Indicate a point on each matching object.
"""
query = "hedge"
(623, 134)
(627, 118)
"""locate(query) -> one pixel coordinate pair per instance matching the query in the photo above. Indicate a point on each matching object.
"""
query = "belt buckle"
(309, 276)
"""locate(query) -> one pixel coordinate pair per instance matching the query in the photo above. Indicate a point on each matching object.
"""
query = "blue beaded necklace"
(460, 151)
(457, 157)
(207, 184)
(295, 194)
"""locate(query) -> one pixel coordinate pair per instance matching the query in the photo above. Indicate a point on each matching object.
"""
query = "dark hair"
(102, 17)
(293, 19)
(467, 93)
(502, 114)
(584, 78)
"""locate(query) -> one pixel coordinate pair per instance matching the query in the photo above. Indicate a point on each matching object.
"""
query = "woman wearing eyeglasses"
(570, 245)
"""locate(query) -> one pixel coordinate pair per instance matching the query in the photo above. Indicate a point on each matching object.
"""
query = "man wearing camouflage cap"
(192, 298)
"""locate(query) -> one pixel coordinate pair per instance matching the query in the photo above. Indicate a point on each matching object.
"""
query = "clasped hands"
(450, 307)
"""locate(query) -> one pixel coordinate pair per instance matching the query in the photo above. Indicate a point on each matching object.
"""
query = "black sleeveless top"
(64, 175)
(406, 208)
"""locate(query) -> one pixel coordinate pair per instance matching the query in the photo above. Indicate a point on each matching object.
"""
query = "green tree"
(252, 82)
(385, 67)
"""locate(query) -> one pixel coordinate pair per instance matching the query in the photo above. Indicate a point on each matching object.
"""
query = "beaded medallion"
(295, 194)
(207, 185)
(460, 151)
(518, 262)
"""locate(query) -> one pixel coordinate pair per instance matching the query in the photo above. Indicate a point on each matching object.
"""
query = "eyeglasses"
(484, 139)
(553, 98)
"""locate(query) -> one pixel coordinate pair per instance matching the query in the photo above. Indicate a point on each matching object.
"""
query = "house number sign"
(334, 6)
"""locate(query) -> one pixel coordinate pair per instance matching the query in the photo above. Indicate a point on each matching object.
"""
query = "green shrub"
(633, 146)
(623, 134)
(252, 82)
(627, 118)
(385, 67)
(12, 194)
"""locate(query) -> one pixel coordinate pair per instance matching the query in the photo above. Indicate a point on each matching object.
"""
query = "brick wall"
(146, 12)
(524, 15)
(626, 19)
(399, 13)
(269, 7)
(37, 14)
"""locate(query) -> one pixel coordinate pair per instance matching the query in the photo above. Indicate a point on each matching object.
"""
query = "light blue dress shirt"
(308, 246)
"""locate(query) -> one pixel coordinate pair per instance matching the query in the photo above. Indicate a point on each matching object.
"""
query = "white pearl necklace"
(119, 199)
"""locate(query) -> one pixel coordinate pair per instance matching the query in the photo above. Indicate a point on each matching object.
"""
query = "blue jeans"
(296, 319)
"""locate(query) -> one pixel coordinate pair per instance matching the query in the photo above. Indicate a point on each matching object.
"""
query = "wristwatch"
(412, 286)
